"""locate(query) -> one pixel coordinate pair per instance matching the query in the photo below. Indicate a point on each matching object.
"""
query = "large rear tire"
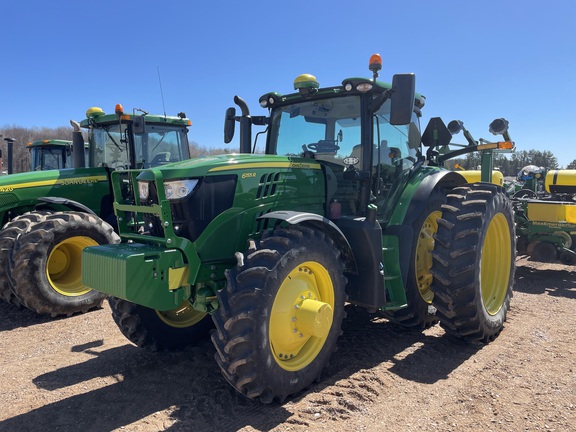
(17, 226)
(281, 314)
(46, 263)
(419, 312)
(474, 262)
(160, 331)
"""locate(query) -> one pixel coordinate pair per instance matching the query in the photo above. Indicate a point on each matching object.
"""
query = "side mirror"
(229, 124)
(402, 99)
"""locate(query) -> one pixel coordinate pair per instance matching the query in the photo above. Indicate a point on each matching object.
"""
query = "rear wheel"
(419, 311)
(474, 262)
(280, 314)
(160, 330)
(17, 226)
(46, 263)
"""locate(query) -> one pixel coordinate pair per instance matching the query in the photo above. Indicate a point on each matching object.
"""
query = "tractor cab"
(50, 154)
(353, 131)
(124, 141)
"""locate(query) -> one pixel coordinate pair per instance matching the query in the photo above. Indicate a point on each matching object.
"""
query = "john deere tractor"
(343, 207)
(48, 217)
(51, 154)
(44, 154)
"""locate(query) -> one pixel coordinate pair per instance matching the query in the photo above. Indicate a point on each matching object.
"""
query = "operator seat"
(385, 152)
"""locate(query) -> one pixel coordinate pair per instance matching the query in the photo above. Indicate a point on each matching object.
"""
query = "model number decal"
(6, 189)
(248, 175)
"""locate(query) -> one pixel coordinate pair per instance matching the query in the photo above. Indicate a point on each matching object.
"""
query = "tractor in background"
(49, 216)
(43, 154)
(52, 154)
(262, 251)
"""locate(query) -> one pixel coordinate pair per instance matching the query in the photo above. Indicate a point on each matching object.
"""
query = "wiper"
(159, 142)
(112, 138)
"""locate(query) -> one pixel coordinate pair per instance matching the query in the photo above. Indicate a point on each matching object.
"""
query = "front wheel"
(474, 262)
(280, 314)
(160, 330)
(46, 263)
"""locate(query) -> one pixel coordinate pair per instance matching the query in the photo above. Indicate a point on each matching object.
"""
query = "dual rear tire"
(474, 262)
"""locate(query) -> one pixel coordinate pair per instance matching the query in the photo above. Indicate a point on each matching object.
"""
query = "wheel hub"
(64, 266)
(314, 318)
(302, 316)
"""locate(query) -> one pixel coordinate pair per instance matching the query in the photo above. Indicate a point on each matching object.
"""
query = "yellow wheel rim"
(301, 316)
(424, 248)
(182, 317)
(495, 264)
(64, 266)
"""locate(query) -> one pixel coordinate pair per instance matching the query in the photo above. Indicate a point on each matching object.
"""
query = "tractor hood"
(210, 165)
(65, 177)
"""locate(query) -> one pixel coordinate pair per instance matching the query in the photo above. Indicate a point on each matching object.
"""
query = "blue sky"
(474, 61)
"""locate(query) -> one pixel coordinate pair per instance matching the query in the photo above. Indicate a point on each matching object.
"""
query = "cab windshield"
(48, 158)
(159, 145)
(329, 131)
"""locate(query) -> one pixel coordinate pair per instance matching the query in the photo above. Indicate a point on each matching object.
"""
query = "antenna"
(161, 92)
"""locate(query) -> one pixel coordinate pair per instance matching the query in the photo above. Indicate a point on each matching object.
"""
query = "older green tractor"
(44, 155)
(343, 207)
(49, 216)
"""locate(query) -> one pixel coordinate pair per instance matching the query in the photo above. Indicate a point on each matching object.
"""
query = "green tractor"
(343, 207)
(48, 217)
(52, 154)
(44, 155)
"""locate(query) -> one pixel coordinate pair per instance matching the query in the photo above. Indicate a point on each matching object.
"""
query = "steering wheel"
(324, 146)
(307, 153)
(118, 165)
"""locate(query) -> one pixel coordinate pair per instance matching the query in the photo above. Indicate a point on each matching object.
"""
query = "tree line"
(509, 164)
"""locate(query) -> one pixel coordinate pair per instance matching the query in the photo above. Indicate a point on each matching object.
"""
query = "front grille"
(187, 217)
(191, 215)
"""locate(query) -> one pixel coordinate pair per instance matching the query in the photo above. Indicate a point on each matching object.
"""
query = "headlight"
(143, 189)
(179, 188)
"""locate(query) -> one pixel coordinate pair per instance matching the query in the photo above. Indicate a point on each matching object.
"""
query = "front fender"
(71, 204)
(323, 224)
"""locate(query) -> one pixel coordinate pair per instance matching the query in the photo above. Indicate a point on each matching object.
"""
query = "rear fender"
(443, 179)
(404, 216)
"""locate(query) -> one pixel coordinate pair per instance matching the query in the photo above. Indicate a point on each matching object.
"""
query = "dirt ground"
(81, 374)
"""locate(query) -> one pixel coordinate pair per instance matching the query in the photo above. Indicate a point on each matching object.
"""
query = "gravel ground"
(81, 374)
